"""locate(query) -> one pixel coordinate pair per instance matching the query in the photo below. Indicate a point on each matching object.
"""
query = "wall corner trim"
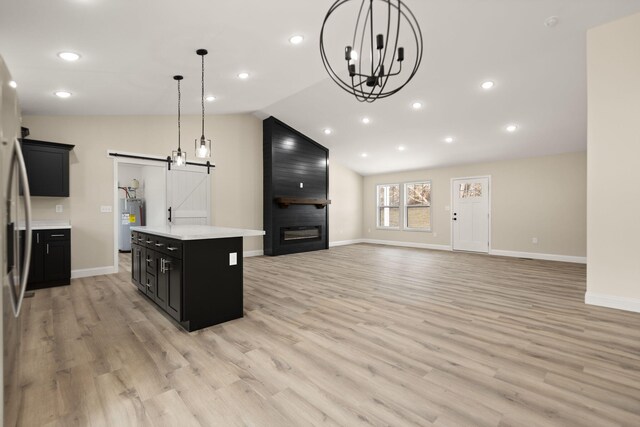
(90, 272)
(612, 301)
(536, 255)
(248, 254)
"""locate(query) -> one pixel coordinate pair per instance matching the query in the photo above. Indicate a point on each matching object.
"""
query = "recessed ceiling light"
(487, 85)
(296, 39)
(364, 155)
(243, 75)
(512, 128)
(417, 105)
(69, 56)
(448, 139)
(401, 148)
(13, 84)
(210, 98)
(62, 94)
(366, 120)
(327, 131)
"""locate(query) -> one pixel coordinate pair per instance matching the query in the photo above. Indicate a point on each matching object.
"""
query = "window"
(470, 190)
(388, 206)
(417, 206)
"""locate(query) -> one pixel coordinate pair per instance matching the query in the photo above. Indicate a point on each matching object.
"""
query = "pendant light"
(203, 145)
(373, 59)
(179, 157)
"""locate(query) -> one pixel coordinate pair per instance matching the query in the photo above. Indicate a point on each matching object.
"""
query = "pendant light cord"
(202, 99)
(179, 96)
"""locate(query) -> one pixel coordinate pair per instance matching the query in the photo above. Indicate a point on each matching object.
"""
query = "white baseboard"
(612, 301)
(90, 272)
(535, 255)
(407, 244)
(247, 254)
(344, 242)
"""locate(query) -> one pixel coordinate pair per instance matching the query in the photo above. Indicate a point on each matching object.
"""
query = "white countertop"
(47, 225)
(197, 232)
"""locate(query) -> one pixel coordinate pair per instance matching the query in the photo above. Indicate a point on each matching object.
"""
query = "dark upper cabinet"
(47, 167)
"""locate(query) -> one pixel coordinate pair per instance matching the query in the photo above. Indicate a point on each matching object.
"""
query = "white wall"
(126, 173)
(345, 211)
(613, 70)
(236, 180)
(543, 197)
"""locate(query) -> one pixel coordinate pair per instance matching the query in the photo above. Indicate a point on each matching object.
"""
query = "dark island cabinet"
(47, 165)
(50, 259)
(192, 281)
(156, 273)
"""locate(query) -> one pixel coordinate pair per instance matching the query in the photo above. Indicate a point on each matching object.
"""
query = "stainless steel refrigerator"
(13, 176)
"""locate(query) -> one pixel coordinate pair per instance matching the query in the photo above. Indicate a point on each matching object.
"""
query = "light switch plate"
(106, 209)
(58, 208)
(233, 258)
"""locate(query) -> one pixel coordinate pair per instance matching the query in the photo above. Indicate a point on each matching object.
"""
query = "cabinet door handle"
(57, 235)
(47, 249)
(140, 240)
(161, 265)
(148, 260)
(159, 244)
(148, 284)
(149, 241)
(38, 238)
(169, 248)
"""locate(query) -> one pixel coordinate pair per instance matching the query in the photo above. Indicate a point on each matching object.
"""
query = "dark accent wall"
(291, 158)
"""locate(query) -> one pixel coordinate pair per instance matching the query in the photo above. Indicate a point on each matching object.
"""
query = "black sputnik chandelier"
(375, 56)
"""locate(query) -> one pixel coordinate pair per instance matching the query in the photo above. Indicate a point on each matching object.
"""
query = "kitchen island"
(192, 272)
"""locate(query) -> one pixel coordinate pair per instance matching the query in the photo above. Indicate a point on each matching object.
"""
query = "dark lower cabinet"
(50, 259)
(191, 281)
(137, 266)
(173, 286)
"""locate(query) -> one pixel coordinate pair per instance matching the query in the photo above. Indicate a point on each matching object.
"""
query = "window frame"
(405, 210)
(378, 206)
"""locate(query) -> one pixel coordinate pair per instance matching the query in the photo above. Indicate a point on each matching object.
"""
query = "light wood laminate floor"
(357, 335)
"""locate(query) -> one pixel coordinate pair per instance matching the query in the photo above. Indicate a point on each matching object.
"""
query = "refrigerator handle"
(26, 197)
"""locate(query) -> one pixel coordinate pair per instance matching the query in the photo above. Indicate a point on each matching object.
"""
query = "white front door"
(470, 214)
(188, 196)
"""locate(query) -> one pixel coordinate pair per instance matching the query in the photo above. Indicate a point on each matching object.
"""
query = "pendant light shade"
(203, 145)
(179, 157)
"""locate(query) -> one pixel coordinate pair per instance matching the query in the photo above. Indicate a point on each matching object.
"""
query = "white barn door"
(188, 196)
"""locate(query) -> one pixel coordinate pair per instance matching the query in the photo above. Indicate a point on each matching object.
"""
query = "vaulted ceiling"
(131, 49)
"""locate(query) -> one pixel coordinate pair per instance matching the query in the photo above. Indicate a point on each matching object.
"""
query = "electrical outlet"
(59, 208)
(233, 258)
(534, 240)
(106, 209)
